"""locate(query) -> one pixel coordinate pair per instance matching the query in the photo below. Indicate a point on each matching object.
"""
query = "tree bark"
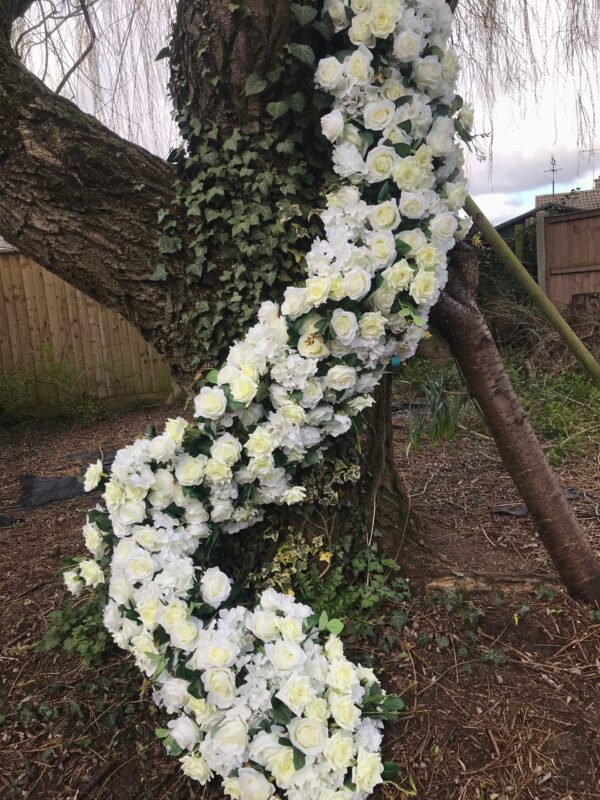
(459, 320)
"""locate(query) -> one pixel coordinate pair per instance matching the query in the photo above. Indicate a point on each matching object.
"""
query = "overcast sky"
(525, 136)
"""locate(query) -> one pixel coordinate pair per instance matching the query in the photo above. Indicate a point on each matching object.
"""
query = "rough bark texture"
(459, 320)
(83, 202)
(230, 45)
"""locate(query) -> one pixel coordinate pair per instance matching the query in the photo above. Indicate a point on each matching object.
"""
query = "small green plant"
(494, 657)
(456, 601)
(544, 593)
(79, 629)
(438, 419)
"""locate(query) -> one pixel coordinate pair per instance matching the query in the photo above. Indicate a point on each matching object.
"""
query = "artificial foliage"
(260, 691)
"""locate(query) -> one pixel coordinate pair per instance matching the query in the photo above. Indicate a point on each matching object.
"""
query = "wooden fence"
(569, 257)
(50, 330)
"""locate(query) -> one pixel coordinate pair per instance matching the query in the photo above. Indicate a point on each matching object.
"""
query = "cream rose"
(308, 735)
(330, 73)
(253, 785)
(344, 325)
(217, 472)
(317, 290)
(424, 287)
(219, 684)
(260, 442)
(413, 205)
(215, 587)
(340, 377)
(407, 46)
(312, 346)
(226, 449)
(399, 275)
(92, 477)
(378, 114)
(372, 325)
(357, 283)
(189, 470)
(210, 403)
(339, 750)
(367, 772)
(380, 163)
(195, 767)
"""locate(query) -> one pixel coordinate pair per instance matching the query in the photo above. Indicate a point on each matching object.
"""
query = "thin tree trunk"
(459, 320)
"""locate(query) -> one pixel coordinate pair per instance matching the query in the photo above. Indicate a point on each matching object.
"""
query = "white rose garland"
(264, 697)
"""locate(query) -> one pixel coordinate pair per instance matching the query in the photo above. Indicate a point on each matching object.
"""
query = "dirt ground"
(499, 669)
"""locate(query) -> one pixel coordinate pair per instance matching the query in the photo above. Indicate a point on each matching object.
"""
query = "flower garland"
(265, 697)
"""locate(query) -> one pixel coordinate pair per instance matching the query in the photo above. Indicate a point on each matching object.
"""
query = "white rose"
(443, 227)
(456, 194)
(357, 283)
(340, 377)
(382, 245)
(312, 346)
(367, 772)
(243, 388)
(317, 709)
(219, 684)
(424, 157)
(73, 582)
(281, 766)
(358, 6)
(265, 625)
(372, 325)
(260, 442)
(415, 239)
(312, 394)
(344, 325)
(291, 629)
(91, 572)
(407, 174)
(93, 538)
(339, 750)
(428, 72)
(201, 710)
(407, 46)
(399, 275)
(329, 73)
(360, 30)
(385, 216)
(184, 635)
(215, 587)
(380, 163)
(226, 449)
(285, 656)
(120, 589)
(441, 137)
(175, 429)
(139, 567)
(174, 694)
(342, 675)
(308, 735)
(293, 413)
(413, 205)
(232, 736)
(196, 768)
(210, 403)
(217, 472)
(424, 287)
(317, 290)
(253, 785)
(378, 114)
(92, 477)
(429, 257)
(294, 303)
(184, 731)
(332, 125)
(334, 648)
(261, 466)
(293, 495)
(296, 692)
(343, 710)
(189, 470)
(358, 66)
(161, 448)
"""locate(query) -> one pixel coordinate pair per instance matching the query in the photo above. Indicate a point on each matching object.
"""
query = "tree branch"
(82, 201)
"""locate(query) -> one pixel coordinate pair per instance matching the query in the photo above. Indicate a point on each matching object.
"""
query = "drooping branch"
(459, 320)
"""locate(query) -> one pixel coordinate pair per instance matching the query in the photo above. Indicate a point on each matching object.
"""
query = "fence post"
(540, 233)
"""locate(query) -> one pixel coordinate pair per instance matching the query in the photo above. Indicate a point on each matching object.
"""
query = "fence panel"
(45, 322)
(572, 256)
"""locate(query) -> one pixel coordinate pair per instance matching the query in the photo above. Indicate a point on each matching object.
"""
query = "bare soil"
(500, 670)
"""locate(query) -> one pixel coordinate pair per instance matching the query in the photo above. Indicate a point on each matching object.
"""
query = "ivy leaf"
(302, 52)
(255, 84)
(169, 244)
(164, 53)
(297, 101)
(159, 274)
(278, 108)
(304, 14)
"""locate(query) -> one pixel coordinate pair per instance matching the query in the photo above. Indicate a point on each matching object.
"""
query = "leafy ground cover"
(499, 670)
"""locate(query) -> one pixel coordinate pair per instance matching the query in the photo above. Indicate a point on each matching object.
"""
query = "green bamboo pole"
(548, 309)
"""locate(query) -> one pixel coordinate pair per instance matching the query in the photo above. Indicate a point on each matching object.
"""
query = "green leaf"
(393, 704)
(402, 248)
(304, 14)
(281, 712)
(169, 244)
(164, 53)
(278, 108)
(323, 620)
(159, 274)
(335, 626)
(297, 101)
(433, 50)
(384, 193)
(161, 733)
(390, 770)
(299, 759)
(302, 52)
(403, 150)
(255, 84)
(211, 377)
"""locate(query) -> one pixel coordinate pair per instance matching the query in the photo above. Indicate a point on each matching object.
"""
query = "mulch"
(499, 669)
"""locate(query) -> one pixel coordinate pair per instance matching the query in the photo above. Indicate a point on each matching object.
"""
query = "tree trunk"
(459, 320)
